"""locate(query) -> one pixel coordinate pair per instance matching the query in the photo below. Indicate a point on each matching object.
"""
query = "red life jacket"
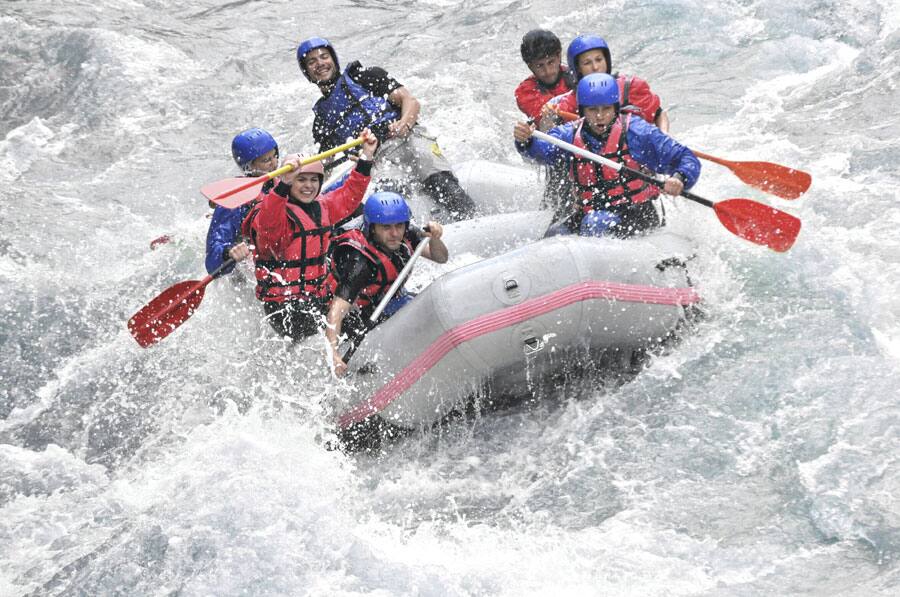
(300, 272)
(635, 96)
(610, 188)
(386, 269)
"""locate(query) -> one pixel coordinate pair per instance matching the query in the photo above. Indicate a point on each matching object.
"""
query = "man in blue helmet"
(256, 153)
(366, 262)
(617, 203)
(369, 97)
(589, 54)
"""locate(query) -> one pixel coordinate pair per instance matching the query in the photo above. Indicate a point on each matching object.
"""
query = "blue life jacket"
(350, 108)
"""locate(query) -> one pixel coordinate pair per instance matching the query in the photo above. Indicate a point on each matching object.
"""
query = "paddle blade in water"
(159, 241)
(233, 192)
(759, 223)
(162, 316)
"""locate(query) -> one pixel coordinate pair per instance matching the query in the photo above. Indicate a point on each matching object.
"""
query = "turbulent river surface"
(758, 457)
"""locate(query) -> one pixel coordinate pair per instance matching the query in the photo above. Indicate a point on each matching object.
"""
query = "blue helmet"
(251, 144)
(308, 45)
(597, 89)
(385, 207)
(582, 44)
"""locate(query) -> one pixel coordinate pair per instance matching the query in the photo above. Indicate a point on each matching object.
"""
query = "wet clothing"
(291, 242)
(363, 271)
(599, 187)
(634, 96)
(643, 143)
(225, 232)
(532, 94)
(297, 319)
(359, 99)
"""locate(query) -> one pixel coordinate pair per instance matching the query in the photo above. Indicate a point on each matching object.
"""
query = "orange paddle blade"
(233, 192)
(776, 179)
(162, 316)
(758, 223)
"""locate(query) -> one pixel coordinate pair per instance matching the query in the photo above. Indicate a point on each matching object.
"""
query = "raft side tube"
(505, 318)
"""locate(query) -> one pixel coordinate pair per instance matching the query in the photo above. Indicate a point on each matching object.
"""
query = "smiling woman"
(304, 181)
(290, 230)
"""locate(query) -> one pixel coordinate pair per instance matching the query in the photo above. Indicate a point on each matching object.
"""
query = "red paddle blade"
(159, 241)
(162, 316)
(759, 223)
(222, 192)
(776, 179)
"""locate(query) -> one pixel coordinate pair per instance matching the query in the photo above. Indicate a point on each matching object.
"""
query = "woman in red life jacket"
(290, 230)
(366, 262)
(589, 54)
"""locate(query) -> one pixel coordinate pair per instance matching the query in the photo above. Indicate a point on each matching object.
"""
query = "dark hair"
(539, 43)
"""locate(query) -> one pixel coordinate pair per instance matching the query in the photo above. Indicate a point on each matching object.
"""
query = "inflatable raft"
(496, 188)
(505, 323)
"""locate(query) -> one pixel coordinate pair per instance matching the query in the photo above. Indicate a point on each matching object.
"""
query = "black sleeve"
(414, 235)
(364, 167)
(374, 78)
(354, 272)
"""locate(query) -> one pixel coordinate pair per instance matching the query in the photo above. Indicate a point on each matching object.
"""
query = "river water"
(759, 457)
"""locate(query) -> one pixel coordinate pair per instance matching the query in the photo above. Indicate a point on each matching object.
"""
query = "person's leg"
(295, 319)
(599, 223)
(443, 187)
(437, 178)
(636, 219)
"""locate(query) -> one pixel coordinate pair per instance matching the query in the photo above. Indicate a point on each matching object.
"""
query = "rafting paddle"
(775, 179)
(745, 218)
(162, 316)
(234, 192)
(401, 277)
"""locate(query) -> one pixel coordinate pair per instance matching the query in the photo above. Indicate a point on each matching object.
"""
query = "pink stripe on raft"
(507, 317)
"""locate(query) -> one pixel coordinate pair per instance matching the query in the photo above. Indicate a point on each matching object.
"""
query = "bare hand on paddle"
(239, 252)
(549, 117)
(340, 367)
(673, 186)
(369, 146)
(522, 132)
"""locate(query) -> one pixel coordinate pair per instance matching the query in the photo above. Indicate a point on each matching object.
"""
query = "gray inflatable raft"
(507, 321)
